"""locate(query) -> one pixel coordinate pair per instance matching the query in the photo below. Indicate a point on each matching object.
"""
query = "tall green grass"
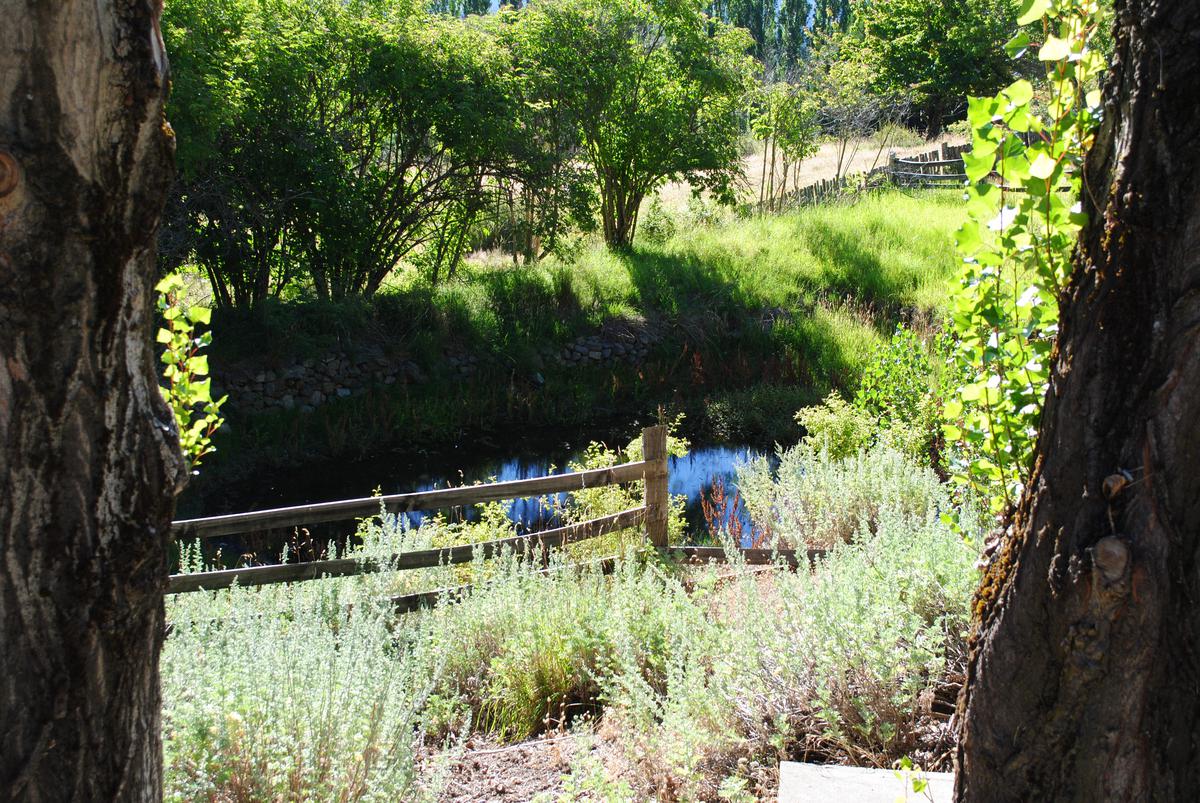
(861, 262)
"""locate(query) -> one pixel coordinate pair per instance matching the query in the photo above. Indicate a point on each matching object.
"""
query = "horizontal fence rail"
(403, 503)
(417, 559)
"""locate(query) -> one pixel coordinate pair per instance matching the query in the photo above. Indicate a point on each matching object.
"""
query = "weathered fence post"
(654, 452)
(893, 168)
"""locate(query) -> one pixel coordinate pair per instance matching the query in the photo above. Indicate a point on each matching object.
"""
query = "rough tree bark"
(1083, 679)
(89, 461)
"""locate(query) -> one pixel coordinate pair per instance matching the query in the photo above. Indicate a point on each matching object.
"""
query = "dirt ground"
(859, 156)
(488, 771)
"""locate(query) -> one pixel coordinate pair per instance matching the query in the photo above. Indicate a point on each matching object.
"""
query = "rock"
(316, 398)
(287, 402)
(343, 392)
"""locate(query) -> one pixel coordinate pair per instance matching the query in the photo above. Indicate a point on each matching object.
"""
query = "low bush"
(856, 661)
(814, 499)
(898, 402)
(288, 694)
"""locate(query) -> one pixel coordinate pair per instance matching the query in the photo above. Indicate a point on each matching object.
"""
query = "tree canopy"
(935, 53)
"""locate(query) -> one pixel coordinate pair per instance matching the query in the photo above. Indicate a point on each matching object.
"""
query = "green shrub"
(842, 665)
(898, 403)
(835, 427)
(757, 414)
(834, 663)
(286, 694)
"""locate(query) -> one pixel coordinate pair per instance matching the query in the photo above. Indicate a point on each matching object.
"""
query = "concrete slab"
(821, 783)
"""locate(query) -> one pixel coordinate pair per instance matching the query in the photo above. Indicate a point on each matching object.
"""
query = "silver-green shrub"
(319, 691)
(290, 694)
(816, 500)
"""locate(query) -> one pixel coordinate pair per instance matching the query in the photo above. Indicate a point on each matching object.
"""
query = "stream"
(691, 476)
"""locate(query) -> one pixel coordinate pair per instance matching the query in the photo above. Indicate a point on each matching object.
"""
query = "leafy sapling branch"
(188, 387)
(1025, 170)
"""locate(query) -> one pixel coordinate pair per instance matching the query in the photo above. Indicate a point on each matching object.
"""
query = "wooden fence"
(652, 470)
(942, 168)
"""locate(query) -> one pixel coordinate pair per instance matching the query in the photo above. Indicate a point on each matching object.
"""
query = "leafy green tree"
(414, 115)
(935, 52)
(460, 8)
(794, 37)
(832, 15)
(237, 69)
(654, 90)
(324, 141)
(848, 107)
(786, 122)
(758, 17)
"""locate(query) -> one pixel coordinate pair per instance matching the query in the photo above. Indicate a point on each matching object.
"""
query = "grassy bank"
(766, 312)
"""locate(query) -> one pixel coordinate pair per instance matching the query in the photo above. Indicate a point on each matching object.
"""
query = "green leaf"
(1015, 47)
(1032, 10)
(198, 365)
(198, 314)
(977, 166)
(981, 111)
(1043, 167)
(1055, 49)
(972, 392)
(1019, 93)
(968, 238)
(172, 283)
(163, 336)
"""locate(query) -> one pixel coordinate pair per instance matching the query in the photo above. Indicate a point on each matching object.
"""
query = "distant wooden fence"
(942, 168)
(652, 470)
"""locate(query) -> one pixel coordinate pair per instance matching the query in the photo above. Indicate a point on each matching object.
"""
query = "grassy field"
(784, 306)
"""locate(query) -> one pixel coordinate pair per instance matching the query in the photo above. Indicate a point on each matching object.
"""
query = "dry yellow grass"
(860, 156)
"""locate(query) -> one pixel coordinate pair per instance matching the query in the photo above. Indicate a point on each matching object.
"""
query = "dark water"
(691, 476)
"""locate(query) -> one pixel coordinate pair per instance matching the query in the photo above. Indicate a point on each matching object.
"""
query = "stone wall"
(307, 384)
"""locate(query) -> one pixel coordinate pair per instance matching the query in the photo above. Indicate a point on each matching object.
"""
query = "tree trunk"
(1083, 678)
(619, 213)
(89, 459)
